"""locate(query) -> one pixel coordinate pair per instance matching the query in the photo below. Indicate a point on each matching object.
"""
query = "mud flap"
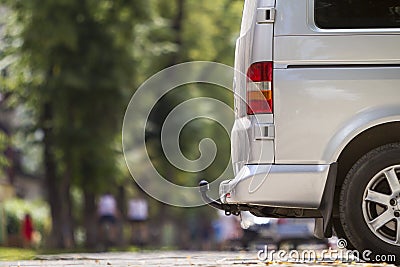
(323, 225)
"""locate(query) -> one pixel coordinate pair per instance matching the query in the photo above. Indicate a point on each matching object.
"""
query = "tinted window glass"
(351, 14)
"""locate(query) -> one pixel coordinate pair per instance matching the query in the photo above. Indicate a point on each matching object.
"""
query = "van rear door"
(254, 45)
(253, 133)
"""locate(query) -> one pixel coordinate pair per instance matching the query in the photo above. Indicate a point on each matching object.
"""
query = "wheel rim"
(381, 205)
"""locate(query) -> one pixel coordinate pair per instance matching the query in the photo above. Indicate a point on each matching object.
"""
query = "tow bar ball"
(204, 187)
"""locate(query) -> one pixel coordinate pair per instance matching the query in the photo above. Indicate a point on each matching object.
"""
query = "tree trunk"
(58, 194)
(68, 223)
(55, 239)
(121, 202)
(90, 218)
(178, 26)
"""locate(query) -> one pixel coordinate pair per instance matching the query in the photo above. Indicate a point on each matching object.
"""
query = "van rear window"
(357, 14)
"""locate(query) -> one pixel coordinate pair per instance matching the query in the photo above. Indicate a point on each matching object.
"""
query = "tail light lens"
(259, 88)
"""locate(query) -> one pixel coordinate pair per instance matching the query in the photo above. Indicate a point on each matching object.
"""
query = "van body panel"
(254, 44)
(326, 50)
(344, 73)
(291, 18)
(254, 148)
(263, 185)
(312, 105)
(359, 124)
(243, 55)
(262, 49)
(333, 128)
(296, 17)
(329, 85)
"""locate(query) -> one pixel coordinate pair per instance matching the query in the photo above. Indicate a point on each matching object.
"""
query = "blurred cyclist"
(108, 213)
(138, 215)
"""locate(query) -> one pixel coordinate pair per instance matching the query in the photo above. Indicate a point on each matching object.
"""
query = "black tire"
(339, 231)
(358, 205)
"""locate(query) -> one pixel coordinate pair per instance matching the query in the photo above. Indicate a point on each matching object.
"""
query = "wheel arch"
(361, 144)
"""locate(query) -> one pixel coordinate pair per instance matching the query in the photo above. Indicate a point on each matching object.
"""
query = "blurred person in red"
(27, 230)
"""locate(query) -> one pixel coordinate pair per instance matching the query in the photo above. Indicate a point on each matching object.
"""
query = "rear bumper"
(286, 186)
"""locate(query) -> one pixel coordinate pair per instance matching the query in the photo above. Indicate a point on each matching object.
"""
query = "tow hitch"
(230, 209)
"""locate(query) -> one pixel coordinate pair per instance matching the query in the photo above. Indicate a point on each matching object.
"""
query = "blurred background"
(68, 69)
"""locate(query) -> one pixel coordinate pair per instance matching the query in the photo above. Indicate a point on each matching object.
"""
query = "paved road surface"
(177, 258)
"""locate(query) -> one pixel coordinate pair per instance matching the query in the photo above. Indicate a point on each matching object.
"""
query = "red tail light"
(259, 88)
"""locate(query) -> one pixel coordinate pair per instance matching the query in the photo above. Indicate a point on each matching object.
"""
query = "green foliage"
(76, 56)
(208, 30)
(13, 254)
(83, 58)
(16, 209)
(13, 224)
(4, 144)
(72, 68)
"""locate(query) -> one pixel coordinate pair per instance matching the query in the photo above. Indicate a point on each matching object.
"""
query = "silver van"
(317, 129)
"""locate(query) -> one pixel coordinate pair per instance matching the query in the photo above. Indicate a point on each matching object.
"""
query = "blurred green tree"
(196, 30)
(74, 64)
(74, 68)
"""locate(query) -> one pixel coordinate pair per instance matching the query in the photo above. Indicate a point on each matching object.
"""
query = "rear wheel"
(370, 203)
(337, 226)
